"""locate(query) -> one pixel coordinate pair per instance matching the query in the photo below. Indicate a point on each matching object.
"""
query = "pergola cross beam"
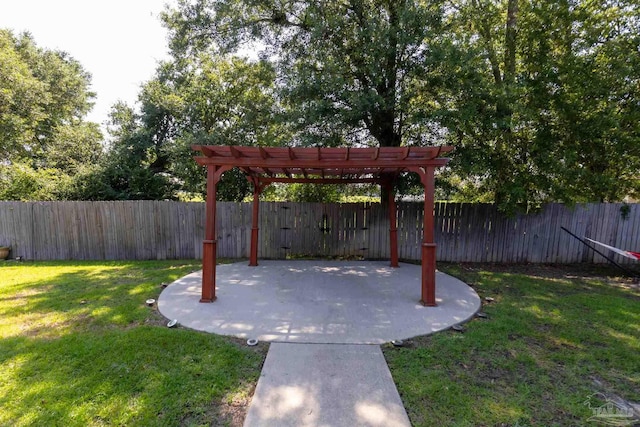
(266, 165)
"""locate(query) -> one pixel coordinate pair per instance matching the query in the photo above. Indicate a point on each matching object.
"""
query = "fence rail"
(175, 230)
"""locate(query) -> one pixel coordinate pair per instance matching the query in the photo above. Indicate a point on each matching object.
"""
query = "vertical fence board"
(582, 228)
(451, 236)
(623, 233)
(632, 239)
(465, 230)
(551, 246)
(486, 248)
(588, 230)
(598, 231)
(634, 242)
(455, 229)
(556, 251)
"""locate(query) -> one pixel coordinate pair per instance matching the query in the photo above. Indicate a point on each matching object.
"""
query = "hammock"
(627, 254)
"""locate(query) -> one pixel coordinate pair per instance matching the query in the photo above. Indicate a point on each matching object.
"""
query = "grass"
(79, 347)
(554, 336)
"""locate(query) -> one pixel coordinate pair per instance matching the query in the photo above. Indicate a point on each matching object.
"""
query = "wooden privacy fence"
(175, 230)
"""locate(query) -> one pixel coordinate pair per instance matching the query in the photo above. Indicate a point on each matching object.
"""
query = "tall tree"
(345, 69)
(543, 106)
(203, 100)
(226, 101)
(540, 98)
(44, 97)
(44, 93)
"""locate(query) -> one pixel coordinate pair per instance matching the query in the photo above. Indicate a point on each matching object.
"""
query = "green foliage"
(345, 70)
(43, 93)
(19, 181)
(133, 168)
(225, 101)
(75, 147)
(307, 193)
(44, 141)
(541, 99)
(321, 193)
(205, 100)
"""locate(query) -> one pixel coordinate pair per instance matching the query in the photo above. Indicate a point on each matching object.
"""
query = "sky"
(119, 42)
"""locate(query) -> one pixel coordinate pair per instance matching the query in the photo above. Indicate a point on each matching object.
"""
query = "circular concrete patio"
(342, 302)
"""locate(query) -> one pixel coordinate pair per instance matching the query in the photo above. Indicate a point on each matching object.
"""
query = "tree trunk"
(504, 111)
(510, 42)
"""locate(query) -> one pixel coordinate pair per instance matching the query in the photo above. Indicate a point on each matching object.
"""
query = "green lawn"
(79, 347)
(553, 338)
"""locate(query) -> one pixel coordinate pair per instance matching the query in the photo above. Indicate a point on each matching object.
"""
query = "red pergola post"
(210, 242)
(253, 256)
(428, 244)
(393, 227)
(428, 260)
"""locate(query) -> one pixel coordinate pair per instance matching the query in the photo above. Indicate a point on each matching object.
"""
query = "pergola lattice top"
(322, 165)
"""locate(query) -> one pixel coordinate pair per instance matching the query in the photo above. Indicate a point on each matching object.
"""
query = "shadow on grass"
(533, 362)
(79, 346)
(86, 295)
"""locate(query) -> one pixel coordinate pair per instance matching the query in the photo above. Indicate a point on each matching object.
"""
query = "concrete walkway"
(325, 385)
(325, 320)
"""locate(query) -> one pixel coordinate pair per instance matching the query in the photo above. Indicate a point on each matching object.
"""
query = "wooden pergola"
(266, 165)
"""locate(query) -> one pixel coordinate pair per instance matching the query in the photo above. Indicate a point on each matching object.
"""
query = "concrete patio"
(319, 301)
